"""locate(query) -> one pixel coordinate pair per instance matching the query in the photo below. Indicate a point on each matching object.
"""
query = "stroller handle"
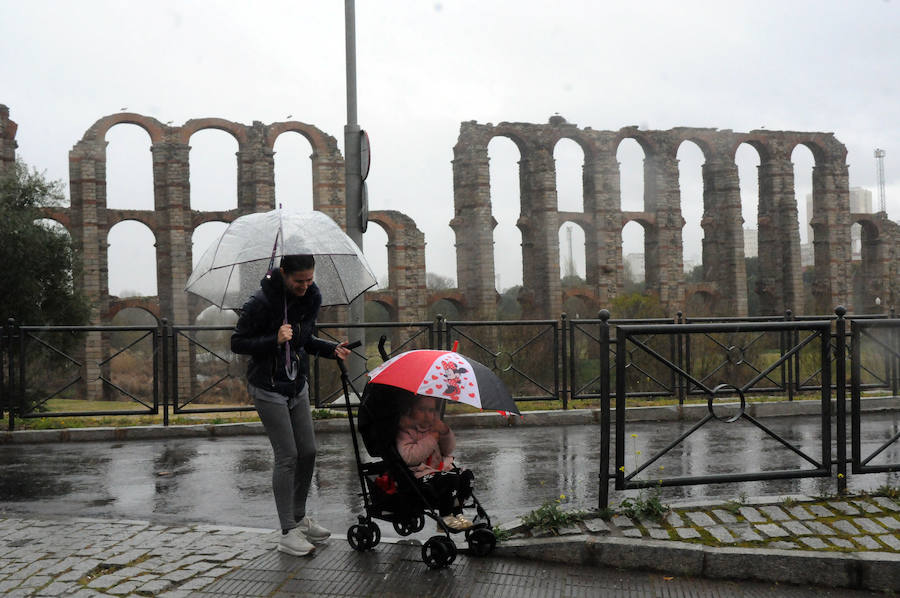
(350, 347)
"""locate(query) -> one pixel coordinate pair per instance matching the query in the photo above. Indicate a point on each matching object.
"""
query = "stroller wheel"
(409, 526)
(376, 533)
(438, 552)
(361, 538)
(481, 541)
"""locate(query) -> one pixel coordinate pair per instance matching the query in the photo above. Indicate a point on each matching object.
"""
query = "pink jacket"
(421, 452)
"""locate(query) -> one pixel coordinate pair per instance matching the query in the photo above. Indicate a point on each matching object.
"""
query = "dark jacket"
(256, 335)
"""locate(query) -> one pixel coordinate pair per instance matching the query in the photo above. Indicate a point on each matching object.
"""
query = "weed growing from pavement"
(551, 517)
(787, 502)
(502, 535)
(646, 505)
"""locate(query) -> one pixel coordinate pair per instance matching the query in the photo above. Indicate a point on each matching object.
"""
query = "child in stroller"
(404, 496)
(425, 443)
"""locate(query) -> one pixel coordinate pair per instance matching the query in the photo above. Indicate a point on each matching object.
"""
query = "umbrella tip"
(455, 346)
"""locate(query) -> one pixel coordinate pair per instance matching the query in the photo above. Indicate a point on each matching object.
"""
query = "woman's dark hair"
(296, 263)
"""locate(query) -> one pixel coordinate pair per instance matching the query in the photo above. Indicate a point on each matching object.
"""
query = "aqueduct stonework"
(835, 279)
(602, 220)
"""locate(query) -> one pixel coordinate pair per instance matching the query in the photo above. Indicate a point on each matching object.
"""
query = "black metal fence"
(718, 363)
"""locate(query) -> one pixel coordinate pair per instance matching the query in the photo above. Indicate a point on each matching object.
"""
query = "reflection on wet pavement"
(227, 480)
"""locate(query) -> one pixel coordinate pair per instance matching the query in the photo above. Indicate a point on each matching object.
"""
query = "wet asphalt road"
(227, 481)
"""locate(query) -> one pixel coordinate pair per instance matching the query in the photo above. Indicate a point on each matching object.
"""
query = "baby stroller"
(389, 489)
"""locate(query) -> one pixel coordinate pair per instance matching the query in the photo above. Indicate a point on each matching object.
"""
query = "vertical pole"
(604, 409)
(353, 181)
(840, 388)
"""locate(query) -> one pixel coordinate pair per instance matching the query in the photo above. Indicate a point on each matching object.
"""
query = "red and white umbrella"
(445, 375)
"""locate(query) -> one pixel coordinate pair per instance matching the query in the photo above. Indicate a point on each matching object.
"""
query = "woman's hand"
(285, 333)
(341, 351)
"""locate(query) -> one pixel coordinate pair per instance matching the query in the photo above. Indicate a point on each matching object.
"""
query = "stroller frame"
(407, 508)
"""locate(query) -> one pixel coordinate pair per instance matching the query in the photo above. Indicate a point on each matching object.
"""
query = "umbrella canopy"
(445, 375)
(232, 266)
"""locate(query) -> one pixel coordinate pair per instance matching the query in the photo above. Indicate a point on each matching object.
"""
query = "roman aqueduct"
(835, 279)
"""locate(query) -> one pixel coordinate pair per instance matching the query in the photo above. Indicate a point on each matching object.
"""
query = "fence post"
(166, 368)
(841, 390)
(679, 344)
(895, 361)
(604, 409)
(10, 395)
(563, 334)
(787, 340)
(438, 332)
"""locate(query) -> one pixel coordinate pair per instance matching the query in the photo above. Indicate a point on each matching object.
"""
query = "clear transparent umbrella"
(232, 266)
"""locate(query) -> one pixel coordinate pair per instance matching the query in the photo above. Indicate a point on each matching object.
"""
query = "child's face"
(425, 412)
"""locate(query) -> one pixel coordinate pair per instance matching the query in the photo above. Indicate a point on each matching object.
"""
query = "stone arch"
(386, 300)
(57, 216)
(569, 142)
(453, 298)
(195, 125)
(199, 172)
(147, 304)
(98, 131)
(583, 223)
(145, 262)
(327, 165)
(293, 162)
(701, 299)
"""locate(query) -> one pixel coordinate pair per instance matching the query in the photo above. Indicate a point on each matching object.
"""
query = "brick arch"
(455, 297)
(586, 142)
(98, 131)
(226, 216)
(586, 294)
(148, 304)
(704, 144)
(145, 217)
(195, 125)
(319, 141)
(60, 215)
(385, 299)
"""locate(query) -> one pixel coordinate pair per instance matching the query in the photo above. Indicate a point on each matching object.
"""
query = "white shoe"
(295, 543)
(314, 532)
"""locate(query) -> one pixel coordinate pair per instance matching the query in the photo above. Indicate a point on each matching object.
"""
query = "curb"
(473, 420)
(868, 571)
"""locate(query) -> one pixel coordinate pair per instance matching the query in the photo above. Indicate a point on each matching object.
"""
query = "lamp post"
(353, 183)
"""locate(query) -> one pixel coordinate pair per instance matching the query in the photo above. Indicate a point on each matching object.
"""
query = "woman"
(276, 329)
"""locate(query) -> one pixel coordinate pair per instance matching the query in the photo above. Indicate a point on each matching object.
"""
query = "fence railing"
(76, 371)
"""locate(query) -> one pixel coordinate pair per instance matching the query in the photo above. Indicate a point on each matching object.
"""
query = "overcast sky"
(426, 66)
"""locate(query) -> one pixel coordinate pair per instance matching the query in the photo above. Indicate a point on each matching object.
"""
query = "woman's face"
(425, 412)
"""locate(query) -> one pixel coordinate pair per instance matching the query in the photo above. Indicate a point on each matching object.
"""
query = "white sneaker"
(314, 532)
(295, 543)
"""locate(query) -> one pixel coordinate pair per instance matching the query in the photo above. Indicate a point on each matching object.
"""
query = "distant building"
(751, 242)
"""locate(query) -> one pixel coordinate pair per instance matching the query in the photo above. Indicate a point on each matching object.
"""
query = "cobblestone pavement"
(847, 524)
(87, 558)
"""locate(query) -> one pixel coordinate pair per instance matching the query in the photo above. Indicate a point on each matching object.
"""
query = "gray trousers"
(290, 430)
